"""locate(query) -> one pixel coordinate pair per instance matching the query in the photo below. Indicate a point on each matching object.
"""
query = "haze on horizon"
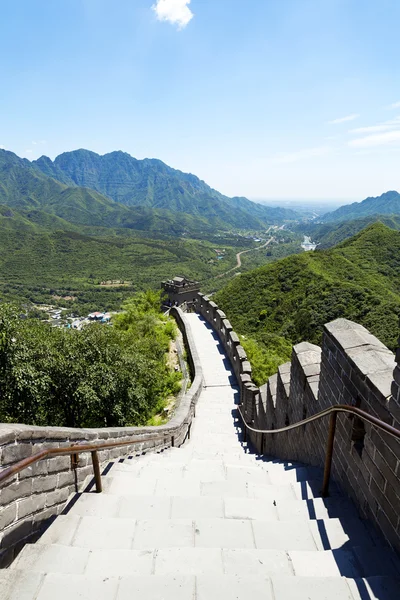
(264, 99)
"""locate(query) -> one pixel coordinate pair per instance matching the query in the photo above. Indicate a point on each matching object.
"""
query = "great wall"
(352, 368)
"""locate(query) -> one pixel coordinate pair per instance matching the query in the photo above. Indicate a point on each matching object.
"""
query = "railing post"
(96, 471)
(329, 454)
(244, 429)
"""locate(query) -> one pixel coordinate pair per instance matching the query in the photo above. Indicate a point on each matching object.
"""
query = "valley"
(85, 232)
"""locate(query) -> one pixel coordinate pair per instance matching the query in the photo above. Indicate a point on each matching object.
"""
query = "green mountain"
(93, 191)
(327, 235)
(291, 299)
(24, 187)
(387, 204)
(153, 184)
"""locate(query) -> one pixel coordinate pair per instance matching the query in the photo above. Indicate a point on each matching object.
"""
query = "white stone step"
(158, 552)
(316, 508)
(278, 585)
(19, 585)
(120, 531)
(315, 588)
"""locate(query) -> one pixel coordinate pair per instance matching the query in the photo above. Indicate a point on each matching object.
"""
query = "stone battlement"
(351, 367)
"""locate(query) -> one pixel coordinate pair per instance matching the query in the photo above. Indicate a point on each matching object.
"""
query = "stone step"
(217, 470)
(205, 559)
(120, 483)
(19, 585)
(174, 518)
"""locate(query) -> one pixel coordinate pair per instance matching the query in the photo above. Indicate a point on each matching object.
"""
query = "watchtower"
(179, 290)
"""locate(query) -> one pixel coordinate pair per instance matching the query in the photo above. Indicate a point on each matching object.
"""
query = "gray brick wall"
(352, 367)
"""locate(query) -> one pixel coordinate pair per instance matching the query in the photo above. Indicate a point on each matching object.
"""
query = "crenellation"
(352, 367)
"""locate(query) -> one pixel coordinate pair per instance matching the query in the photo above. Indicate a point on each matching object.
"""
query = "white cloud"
(394, 105)
(385, 126)
(28, 151)
(371, 129)
(2, 147)
(176, 12)
(304, 154)
(343, 119)
(380, 139)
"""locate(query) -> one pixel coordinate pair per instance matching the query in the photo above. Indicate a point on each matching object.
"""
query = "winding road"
(239, 260)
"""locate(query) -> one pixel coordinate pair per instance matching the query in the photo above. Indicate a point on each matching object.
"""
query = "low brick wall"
(249, 393)
(352, 367)
(41, 491)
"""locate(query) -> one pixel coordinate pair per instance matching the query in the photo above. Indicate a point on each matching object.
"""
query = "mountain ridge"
(291, 299)
(152, 183)
(387, 203)
(160, 197)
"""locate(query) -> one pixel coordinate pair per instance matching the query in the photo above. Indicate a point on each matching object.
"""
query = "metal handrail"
(333, 412)
(9, 472)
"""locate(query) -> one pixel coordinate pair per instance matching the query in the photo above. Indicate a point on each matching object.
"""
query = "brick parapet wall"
(352, 367)
(358, 369)
(41, 491)
(234, 351)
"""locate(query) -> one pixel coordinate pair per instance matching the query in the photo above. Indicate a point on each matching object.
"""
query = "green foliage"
(293, 298)
(35, 266)
(265, 353)
(100, 376)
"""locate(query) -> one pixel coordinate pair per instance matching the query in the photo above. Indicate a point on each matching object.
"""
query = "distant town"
(58, 317)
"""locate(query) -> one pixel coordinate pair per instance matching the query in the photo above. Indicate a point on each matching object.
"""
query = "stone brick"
(16, 533)
(59, 463)
(8, 515)
(39, 468)
(393, 497)
(394, 408)
(15, 490)
(44, 484)
(57, 497)
(30, 505)
(387, 528)
(65, 478)
(387, 466)
(15, 452)
(375, 473)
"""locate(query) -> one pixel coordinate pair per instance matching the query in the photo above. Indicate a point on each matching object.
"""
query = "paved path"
(208, 521)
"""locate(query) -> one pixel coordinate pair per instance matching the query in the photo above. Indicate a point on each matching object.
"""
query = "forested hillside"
(36, 265)
(290, 300)
(386, 204)
(117, 190)
(327, 235)
(98, 377)
(153, 184)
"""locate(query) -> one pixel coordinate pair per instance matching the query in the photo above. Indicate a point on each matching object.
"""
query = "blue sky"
(262, 98)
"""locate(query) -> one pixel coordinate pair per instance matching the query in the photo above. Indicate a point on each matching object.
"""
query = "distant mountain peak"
(386, 204)
(152, 183)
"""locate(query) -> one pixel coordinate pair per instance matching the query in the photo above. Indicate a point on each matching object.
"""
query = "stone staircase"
(210, 520)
